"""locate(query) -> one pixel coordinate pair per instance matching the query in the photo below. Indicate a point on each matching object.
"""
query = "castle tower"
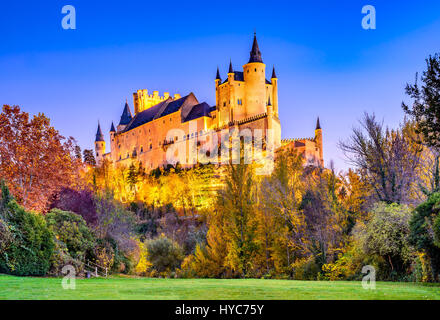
(125, 117)
(270, 114)
(112, 138)
(274, 81)
(218, 81)
(231, 102)
(318, 139)
(99, 145)
(254, 73)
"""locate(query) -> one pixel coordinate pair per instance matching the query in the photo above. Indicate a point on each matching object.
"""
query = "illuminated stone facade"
(244, 100)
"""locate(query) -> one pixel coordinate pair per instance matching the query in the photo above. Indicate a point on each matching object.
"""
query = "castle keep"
(244, 100)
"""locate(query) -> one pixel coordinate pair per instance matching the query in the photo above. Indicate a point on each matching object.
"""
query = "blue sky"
(326, 63)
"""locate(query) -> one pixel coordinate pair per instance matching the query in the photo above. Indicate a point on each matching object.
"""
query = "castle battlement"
(142, 100)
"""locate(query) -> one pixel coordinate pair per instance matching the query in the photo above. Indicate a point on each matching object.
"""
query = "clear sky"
(327, 64)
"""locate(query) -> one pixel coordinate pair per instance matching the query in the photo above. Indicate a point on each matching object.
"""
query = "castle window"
(255, 69)
(224, 104)
(142, 149)
(151, 146)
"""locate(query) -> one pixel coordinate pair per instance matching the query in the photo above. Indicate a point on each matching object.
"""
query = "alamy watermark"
(369, 20)
(369, 280)
(69, 20)
(69, 280)
(222, 147)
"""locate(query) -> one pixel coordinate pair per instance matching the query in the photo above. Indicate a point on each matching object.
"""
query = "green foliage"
(164, 254)
(424, 227)
(27, 244)
(426, 105)
(72, 230)
(386, 234)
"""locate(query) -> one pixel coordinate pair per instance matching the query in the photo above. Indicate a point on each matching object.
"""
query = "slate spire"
(255, 52)
(112, 129)
(99, 135)
(318, 125)
(231, 70)
(217, 77)
(126, 115)
(274, 75)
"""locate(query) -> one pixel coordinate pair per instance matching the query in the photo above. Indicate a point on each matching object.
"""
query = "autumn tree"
(35, 159)
(281, 194)
(388, 159)
(237, 202)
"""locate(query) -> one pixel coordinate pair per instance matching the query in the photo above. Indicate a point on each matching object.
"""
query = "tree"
(34, 158)
(386, 234)
(77, 150)
(164, 254)
(89, 157)
(26, 243)
(237, 203)
(132, 178)
(423, 227)
(280, 198)
(81, 202)
(425, 108)
(388, 159)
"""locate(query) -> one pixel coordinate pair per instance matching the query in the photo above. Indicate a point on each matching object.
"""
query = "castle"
(245, 100)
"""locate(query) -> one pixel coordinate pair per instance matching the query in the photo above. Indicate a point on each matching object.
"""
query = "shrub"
(386, 235)
(305, 269)
(32, 247)
(164, 254)
(71, 229)
(424, 226)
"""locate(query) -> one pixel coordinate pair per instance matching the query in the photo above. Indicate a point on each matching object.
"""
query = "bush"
(305, 269)
(164, 254)
(71, 229)
(32, 245)
(385, 238)
(425, 225)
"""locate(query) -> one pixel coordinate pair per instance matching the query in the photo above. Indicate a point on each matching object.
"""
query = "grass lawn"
(160, 289)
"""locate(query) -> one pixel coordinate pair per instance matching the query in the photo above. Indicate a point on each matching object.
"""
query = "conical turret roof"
(99, 135)
(318, 125)
(126, 115)
(255, 55)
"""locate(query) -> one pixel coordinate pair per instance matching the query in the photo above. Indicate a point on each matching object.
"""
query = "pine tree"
(426, 105)
(89, 158)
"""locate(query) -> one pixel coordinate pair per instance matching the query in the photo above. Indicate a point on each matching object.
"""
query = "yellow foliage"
(143, 265)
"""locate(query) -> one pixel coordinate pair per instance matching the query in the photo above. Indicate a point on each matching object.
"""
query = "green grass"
(146, 288)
